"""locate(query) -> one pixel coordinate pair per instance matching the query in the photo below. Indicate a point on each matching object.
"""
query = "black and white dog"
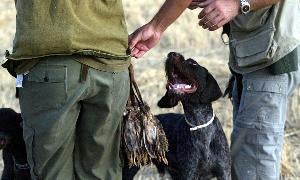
(198, 147)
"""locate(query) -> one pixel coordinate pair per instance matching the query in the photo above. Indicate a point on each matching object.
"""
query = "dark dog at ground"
(198, 147)
(13, 146)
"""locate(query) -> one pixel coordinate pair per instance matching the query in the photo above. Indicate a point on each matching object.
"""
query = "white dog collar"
(202, 125)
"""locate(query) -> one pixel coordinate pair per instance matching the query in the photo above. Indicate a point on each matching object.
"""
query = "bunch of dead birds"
(143, 136)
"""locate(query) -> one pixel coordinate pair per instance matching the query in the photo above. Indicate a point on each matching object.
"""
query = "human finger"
(142, 46)
(140, 54)
(205, 11)
(207, 25)
(134, 51)
(139, 49)
(218, 25)
(208, 18)
(134, 38)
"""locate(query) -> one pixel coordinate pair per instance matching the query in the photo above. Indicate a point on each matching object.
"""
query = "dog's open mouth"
(181, 79)
(180, 84)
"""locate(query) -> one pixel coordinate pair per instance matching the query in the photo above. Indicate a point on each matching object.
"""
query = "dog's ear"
(212, 90)
(168, 101)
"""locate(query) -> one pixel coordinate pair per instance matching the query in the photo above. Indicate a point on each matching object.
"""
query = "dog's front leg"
(8, 171)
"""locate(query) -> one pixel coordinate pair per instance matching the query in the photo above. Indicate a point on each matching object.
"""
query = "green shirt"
(65, 27)
(265, 36)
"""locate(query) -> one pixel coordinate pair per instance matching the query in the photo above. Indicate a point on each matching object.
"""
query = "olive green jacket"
(64, 27)
(262, 37)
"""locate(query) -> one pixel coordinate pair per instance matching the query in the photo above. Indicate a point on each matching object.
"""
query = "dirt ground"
(183, 36)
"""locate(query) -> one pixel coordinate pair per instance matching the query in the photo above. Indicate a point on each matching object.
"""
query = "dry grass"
(183, 36)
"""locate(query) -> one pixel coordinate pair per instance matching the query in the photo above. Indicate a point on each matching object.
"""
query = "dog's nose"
(172, 54)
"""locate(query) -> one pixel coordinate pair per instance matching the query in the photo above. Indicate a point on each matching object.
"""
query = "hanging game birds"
(143, 136)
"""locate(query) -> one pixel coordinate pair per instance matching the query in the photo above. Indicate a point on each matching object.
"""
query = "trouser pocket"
(263, 102)
(44, 87)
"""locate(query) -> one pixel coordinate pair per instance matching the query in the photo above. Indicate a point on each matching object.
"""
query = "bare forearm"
(258, 4)
(168, 13)
(216, 13)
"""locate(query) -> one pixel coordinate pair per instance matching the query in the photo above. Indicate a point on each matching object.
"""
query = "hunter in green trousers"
(72, 62)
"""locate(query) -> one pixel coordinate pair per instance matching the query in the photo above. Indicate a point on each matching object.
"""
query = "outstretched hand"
(143, 39)
(218, 13)
(147, 36)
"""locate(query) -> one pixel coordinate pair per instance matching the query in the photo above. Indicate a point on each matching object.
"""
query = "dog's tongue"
(181, 86)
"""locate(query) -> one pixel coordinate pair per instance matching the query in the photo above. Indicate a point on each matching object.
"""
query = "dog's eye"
(192, 62)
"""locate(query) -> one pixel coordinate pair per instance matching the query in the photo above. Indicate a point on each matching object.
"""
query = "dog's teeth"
(179, 86)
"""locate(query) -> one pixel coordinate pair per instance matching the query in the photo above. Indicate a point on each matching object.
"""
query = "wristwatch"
(245, 6)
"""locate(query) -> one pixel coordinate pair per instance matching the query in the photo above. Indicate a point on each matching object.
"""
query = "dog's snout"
(172, 54)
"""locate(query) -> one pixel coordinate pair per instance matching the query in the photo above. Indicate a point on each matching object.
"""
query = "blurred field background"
(183, 36)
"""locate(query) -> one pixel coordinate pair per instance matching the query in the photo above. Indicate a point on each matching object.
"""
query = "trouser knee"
(256, 153)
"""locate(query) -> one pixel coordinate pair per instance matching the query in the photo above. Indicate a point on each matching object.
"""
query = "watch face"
(246, 8)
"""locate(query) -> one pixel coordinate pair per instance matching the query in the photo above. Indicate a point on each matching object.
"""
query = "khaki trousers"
(72, 129)
(259, 118)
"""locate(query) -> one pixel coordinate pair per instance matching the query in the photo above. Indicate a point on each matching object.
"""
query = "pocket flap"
(251, 46)
(47, 73)
(266, 86)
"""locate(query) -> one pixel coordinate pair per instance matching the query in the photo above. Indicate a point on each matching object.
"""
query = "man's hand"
(199, 3)
(143, 39)
(147, 36)
(218, 13)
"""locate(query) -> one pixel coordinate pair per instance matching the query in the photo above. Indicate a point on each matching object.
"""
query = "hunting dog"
(198, 147)
(13, 146)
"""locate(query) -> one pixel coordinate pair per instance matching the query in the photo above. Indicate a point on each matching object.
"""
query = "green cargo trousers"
(72, 129)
